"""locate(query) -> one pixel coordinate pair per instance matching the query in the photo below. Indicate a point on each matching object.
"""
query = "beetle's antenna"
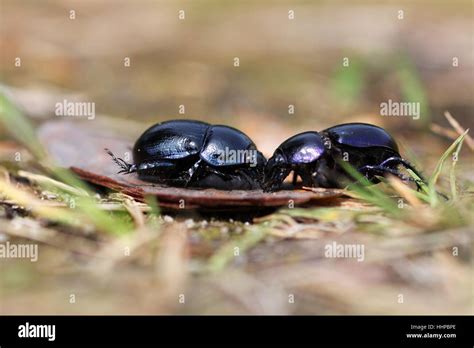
(126, 167)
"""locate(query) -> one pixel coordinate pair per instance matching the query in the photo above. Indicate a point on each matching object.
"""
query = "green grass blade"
(452, 174)
(19, 127)
(439, 167)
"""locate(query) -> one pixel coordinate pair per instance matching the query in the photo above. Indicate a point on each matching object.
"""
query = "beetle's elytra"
(316, 156)
(196, 154)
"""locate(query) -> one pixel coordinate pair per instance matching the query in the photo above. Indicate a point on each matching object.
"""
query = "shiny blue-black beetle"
(187, 153)
(316, 157)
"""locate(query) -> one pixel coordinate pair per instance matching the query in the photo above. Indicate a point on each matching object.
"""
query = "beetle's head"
(276, 170)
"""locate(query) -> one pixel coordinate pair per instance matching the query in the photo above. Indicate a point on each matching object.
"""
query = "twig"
(448, 133)
(459, 129)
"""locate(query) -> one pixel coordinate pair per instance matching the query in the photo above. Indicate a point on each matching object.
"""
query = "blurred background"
(271, 69)
(285, 65)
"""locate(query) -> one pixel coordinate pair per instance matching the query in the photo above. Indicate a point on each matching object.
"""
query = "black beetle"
(186, 153)
(316, 157)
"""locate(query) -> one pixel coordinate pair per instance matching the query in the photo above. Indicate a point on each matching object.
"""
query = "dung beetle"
(186, 153)
(316, 157)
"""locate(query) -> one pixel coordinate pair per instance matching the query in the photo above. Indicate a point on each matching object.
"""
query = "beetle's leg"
(219, 173)
(160, 172)
(390, 162)
(295, 178)
(251, 178)
(274, 180)
(307, 178)
(194, 172)
(377, 170)
(405, 163)
(199, 170)
(127, 168)
(371, 171)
